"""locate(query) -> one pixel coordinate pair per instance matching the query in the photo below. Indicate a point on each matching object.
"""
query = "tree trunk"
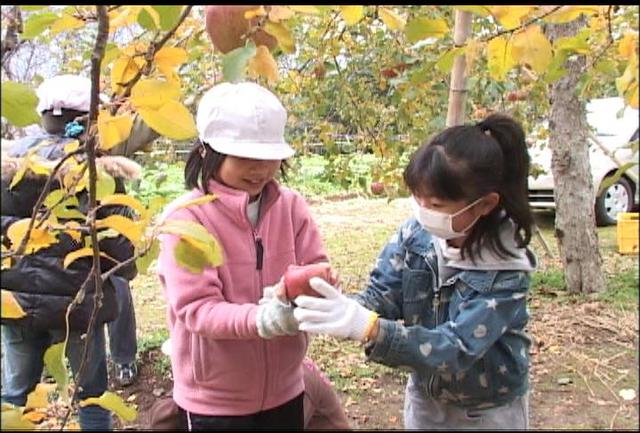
(575, 224)
(458, 87)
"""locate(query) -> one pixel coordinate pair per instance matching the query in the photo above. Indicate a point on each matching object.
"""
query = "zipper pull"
(436, 300)
(259, 253)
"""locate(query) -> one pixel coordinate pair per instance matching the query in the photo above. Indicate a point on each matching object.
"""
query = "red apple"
(377, 188)
(226, 25)
(296, 279)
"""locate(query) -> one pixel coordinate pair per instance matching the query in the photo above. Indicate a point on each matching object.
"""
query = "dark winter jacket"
(39, 282)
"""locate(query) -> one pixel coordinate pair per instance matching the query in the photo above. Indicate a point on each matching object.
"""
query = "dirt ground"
(573, 384)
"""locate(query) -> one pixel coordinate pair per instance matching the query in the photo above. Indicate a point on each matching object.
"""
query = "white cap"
(71, 92)
(245, 120)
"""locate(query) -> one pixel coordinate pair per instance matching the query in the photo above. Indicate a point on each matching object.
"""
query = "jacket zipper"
(257, 241)
(436, 312)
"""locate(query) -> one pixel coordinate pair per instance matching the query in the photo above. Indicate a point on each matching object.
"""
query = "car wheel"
(617, 198)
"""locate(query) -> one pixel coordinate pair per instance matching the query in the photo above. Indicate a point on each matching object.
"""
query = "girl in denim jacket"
(447, 297)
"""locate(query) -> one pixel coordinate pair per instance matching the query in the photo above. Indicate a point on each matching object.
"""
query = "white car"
(615, 133)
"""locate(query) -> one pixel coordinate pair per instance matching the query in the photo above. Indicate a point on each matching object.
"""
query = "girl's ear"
(489, 203)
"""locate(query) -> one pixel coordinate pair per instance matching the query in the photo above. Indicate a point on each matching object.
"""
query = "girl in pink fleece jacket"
(237, 361)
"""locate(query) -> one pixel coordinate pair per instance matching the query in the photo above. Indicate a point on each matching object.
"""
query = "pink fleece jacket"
(220, 364)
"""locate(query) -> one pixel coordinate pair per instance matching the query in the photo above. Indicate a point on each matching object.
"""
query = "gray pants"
(425, 413)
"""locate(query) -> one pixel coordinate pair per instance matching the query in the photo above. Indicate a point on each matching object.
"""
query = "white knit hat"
(71, 92)
(245, 120)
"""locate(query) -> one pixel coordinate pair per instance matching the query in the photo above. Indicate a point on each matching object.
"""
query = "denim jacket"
(463, 340)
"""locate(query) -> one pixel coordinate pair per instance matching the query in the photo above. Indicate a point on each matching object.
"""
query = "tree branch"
(522, 26)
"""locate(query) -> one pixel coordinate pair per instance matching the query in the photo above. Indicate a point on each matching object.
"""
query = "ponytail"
(202, 164)
(514, 187)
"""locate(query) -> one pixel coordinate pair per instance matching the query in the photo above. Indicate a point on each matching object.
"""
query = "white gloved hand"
(335, 314)
(275, 318)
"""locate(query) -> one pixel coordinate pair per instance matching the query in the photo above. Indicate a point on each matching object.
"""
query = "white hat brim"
(252, 149)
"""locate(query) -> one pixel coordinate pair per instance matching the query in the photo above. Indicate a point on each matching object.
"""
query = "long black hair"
(467, 162)
(203, 163)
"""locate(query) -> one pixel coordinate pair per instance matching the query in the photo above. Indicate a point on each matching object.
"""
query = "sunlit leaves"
(282, 35)
(19, 104)
(113, 130)
(125, 200)
(39, 397)
(510, 17)
(125, 226)
(13, 419)
(569, 13)
(169, 15)
(38, 23)
(167, 59)
(38, 239)
(114, 403)
(157, 103)
(445, 62)
(499, 57)
(628, 45)
(532, 47)
(197, 201)
(124, 69)
(627, 84)
(280, 13)
(352, 14)
(421, 28)
(66, 23)
(391, 19)
(11, 309)
(263, 64)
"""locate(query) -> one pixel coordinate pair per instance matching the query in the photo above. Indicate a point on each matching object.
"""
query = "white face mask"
(440, 224)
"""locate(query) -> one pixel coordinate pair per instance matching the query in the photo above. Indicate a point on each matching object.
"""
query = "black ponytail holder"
(484, 128)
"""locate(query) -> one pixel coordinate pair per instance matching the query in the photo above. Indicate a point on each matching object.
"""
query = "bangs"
(431, 173)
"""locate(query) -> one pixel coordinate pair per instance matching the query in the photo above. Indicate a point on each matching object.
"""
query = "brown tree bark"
(575, 224)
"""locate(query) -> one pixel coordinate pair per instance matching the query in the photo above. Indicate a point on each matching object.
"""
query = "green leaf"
(32, 8)
(169, 15)
(19, 104)
(190, 257)
(55, 365)
(445, 62)
(105, 186)
(146, 20)
(198, 236)
(143, 262)
(38, 23)
(610, 180)
(421, 28)
(234, 63)
(114, 403)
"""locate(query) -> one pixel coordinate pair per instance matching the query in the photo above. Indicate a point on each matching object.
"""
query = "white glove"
(335, 314)
(275, 318)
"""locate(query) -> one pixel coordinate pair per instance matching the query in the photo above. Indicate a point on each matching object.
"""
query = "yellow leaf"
(172, 120)
(628, 45)
(125, 200)
(73, 230)
(124, 69)
(67, 22)
(532, 47)
(153, 94)
(279, 13)
(391, 19)
(34, 416)
(510, 17)
(12, 420)
(74, 255)
(257, 12)
(39, 397)
(305, 9)
(352, 14)
(6, 262)
(198, 201)
(114, 403)
(499, 57)
(71, 146)
(569, 13)
(263, 64)
(39, 238)
(167, 59)
(282, 35)
(123, 225)
(113, 130)
(627, 84)
(422, 28)
(10, 307)
(123, 16)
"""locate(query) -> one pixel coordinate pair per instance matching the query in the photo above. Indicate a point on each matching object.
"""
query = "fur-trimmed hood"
(116, 166)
